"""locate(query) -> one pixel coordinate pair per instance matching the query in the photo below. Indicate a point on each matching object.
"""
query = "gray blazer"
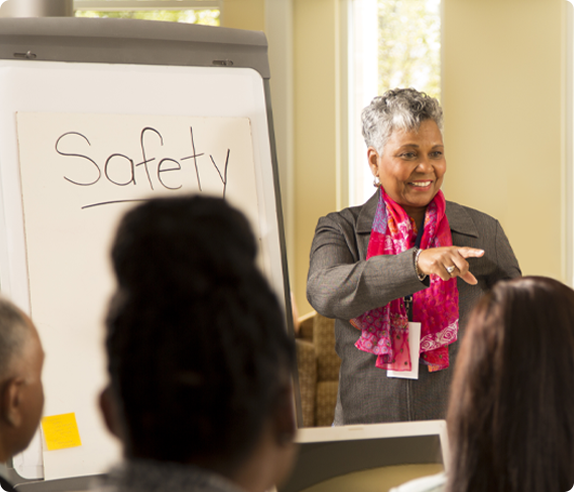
(342, 285)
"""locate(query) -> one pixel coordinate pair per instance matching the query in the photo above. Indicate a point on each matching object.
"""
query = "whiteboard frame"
(73, 42)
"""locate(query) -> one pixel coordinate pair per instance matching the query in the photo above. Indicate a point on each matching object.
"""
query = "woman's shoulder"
(347, 213)
(469, 221)
(456, 209)
(358, 217)
(432, 483)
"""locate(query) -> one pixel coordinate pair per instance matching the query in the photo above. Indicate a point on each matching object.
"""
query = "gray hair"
(397, 109)
(14, 332)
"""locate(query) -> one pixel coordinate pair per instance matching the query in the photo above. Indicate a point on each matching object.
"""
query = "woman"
(199, 360)
(510, 418)
(406, 254)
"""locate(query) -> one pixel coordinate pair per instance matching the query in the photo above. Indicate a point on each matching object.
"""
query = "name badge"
(414, 349)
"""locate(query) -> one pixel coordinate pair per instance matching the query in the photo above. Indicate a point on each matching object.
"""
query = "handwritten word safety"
(121, 170)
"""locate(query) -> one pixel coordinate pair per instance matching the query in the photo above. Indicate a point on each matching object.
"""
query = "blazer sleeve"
(342, 284)
(507, 263)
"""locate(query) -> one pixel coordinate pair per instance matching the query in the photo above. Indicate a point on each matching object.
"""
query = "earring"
(376, 182)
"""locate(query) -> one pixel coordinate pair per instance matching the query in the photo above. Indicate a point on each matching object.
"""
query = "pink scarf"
(384, 330)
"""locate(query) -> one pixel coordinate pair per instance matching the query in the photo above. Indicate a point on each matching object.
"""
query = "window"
(205, 12)
(393, 43)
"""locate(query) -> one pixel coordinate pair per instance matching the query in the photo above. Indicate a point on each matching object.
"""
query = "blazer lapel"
(459, 220)
(365, 224)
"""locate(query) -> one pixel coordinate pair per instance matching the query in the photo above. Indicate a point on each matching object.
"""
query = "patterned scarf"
(384, 330)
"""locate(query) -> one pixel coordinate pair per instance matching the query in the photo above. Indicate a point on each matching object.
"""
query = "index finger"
(470, 252)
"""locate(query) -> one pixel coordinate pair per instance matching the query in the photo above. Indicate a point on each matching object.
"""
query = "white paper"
(80, 173)
(414, 349)
(30, 464)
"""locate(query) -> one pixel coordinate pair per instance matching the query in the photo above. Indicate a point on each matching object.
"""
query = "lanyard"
(408, 300)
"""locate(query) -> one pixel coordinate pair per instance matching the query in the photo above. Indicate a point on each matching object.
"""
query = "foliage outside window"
(205, 17)
(192, 12)
(394, 43)
(409, 45)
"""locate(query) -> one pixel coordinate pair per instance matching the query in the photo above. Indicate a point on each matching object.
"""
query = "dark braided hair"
(197, 346)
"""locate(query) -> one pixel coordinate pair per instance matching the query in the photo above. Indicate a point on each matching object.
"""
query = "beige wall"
(504, 101)
(316, 116)
(503, 95)
(244, 14)
(316, 97)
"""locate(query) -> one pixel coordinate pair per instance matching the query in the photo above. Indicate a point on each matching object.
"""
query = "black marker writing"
(161, 170)
(132, 169)
(80, 156)
(194, 157)
(224, 176)
(121, 170)
(145, 161)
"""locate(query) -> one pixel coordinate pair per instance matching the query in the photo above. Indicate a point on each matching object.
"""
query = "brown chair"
(318, 369)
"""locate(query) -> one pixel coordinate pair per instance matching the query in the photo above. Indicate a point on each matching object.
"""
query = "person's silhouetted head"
(510, 417)
(198, 355)
(21, 391)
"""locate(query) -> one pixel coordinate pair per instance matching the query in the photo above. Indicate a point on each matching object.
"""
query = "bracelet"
(420, 275)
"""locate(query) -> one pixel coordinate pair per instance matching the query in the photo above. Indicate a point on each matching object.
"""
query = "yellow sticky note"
(61, 431)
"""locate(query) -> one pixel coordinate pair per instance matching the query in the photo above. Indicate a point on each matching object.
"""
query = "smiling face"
(412, 167)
